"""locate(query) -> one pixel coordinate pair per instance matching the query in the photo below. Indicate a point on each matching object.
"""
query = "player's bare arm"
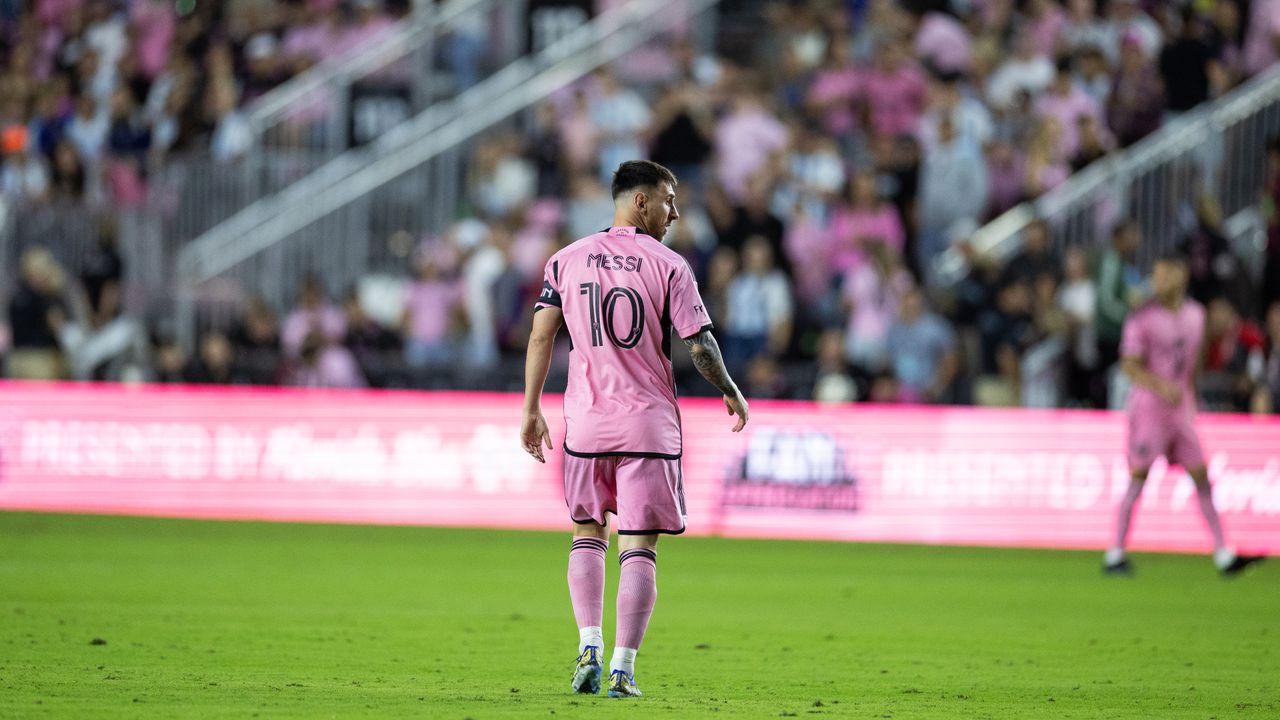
(533, 429)
(1137, 371)
(707, 358)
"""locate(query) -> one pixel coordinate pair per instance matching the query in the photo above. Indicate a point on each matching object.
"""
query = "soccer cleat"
(1119, 567)
(1241, 562)
(623, 685)
(586, 674)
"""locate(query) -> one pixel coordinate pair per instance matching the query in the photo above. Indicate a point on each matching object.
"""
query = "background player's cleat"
(1119, 568)
(622, 685)
(586, 674)
(1240, 563)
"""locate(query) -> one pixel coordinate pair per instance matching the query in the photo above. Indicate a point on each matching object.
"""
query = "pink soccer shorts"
(646, 493)
(1173, 437)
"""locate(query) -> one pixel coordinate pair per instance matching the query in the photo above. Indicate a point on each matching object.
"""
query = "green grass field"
(118, 617)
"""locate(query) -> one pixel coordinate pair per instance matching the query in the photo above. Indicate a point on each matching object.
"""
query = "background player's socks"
(1205, 496)
(1223, 557)
(637, 592)
(586, 588)
(1113, 556)
(624, 659)
(1125, 514)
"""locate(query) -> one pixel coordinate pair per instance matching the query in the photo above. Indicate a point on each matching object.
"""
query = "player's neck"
(621, 220)
(1173, 303)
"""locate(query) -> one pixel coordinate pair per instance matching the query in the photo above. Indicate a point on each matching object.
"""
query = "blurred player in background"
(620, 292)
(1159, 351)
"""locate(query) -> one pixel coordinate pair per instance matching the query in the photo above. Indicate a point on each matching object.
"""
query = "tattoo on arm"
(706, 357)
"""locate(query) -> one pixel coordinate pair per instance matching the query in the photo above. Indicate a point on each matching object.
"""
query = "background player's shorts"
(1174, 437)
(647, 494)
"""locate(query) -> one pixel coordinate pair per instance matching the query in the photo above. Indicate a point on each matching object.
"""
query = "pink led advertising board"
(856, 472)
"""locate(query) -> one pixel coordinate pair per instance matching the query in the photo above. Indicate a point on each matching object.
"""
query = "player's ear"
(640, 200)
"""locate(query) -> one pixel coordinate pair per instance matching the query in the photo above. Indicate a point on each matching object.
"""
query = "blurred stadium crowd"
(827, 156)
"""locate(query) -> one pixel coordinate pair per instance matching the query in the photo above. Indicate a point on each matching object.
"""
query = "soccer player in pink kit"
(1159, 351)
(620, 293)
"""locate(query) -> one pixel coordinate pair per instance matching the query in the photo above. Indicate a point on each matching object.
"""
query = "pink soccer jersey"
(1168, 342)
(622, 292)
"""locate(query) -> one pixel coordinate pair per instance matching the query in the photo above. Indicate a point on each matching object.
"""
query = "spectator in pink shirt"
(314, 313)
(1066, 102)
(894, 91)
(866, 220)
(322, 363)
(51, 12)
(1045, 167)
(154, 25)
(833, 92)
(369, 25)
(1263, 35)
(943, 42)
(873, 294)
(808, 246)
(745, 141)
(1046, 23)
(433, 306)
(579, 135)
(314, 38)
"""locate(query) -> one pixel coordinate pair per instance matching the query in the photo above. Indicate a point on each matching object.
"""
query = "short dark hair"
(1172, 257)
(635, 174)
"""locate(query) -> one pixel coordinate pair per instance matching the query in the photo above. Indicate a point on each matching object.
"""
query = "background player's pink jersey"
(1168, 342)
(622, 292)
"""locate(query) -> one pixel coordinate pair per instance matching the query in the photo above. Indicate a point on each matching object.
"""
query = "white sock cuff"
(1223, 556)
(590, 636)
(624, 659)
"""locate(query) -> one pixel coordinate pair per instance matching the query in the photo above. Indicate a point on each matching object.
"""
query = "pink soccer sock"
(637, 592)
(586, 580)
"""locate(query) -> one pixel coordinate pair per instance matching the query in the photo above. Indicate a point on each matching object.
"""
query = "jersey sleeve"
(550, 295)
(1133, 341)
(688, 312)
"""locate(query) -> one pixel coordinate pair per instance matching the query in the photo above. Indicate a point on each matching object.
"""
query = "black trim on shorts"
(590, 521)
(621, 453)
(652, 532)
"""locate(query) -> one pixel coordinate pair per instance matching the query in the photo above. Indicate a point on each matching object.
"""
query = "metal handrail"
(1000, 237)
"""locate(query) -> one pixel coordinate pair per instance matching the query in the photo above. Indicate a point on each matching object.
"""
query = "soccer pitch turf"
(208, 619)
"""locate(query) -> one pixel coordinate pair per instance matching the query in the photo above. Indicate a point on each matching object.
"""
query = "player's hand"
(533, 433)
(1170, 393)
(737, 405)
